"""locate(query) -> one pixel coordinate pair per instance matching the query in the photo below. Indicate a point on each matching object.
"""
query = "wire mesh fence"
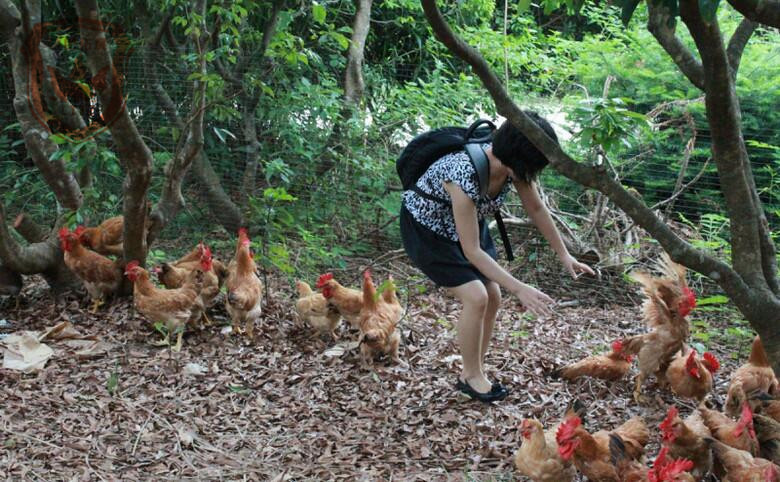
(306, 221)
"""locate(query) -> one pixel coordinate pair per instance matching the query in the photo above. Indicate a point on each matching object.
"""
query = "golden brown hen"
(755, 375)
(686, 439)
(105, 238)
(612, 366)
(100, 275)
(378, 322)
(314, 309)
(347, 301)
(244, 288)
(691, 377)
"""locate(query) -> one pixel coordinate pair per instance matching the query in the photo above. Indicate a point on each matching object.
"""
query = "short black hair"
(515, 151)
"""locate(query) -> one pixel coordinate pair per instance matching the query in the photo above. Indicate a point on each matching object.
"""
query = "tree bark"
(133, 153)
(29, 229)
(23, 39)
(766, 12)
(658, 20)
(353, 77)
(738, 42)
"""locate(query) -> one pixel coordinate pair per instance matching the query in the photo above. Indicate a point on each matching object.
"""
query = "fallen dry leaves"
(292, 407)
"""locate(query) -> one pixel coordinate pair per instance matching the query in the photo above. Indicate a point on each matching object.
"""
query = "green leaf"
(629, 6)
(113, 382)
(708, 9)
(523, 6)
(319, 13)
(712, 300)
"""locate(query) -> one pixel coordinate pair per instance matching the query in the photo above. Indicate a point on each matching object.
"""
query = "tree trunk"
(353, 77)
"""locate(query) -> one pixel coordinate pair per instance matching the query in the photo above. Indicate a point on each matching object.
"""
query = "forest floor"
(290, 407)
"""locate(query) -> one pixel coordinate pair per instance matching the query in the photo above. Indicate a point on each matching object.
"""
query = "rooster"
(347, 301)
(665, 470)
(668, 301)
(174, 308)
(378, 321)
(244, 288)
(755, 375)
(100, 275)
(740, 434)
(314, 308)
(591, 453)
(686, 439)
(612, 366)
(690, 377)
(538, 457)
(740, 466)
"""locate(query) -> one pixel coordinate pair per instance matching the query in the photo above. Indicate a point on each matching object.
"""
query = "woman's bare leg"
(489, 319)
(474, 298)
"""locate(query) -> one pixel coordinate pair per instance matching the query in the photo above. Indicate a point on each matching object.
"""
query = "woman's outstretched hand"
(575, 268)
(534, 300)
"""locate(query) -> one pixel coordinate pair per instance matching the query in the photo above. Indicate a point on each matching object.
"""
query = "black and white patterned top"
(437, 216)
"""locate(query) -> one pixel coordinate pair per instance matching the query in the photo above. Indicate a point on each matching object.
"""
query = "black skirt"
(440, 258)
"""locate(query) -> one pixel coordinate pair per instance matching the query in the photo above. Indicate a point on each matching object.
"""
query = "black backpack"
(430, 146)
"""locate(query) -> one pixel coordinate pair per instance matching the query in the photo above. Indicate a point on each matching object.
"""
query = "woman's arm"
(467, 227)
(541, 218)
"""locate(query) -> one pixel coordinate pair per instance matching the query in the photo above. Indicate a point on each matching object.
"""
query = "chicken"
(756, 374)
(612, 366)
(244, 288)
(690, 377)
(686, 439)
(105, 238)
(768, 435)
(667, 304)
(740, 466)
(347, 301)
(314, 309)
(172, 275)
(390, 297)
(10, 284)
(740, 434)
(171, 307)
(378, 321)
(100, 275)
(538, 457)
(591, 453)
(764, 404)
(666, 470)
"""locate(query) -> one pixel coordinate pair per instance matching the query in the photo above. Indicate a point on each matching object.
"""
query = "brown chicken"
(667, 469)
(591, 453)
(315, 310)
(756, 374)
(538, 457)
(100, 275)
(667, 304)
(105, 238)
(740, 466)
(764, 404)
(390, 297)
(173, 308)
(347, 301)
(691, 377)
(768, 435)
(740, 434)
(244, 288)
(612, 366)
(378, 321)
(173, 276)
(686, 440)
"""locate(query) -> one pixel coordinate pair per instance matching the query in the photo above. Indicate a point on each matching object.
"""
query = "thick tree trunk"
(132, 151)
(353, 77)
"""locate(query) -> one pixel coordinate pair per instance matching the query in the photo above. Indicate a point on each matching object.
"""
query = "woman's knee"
(493, 293)
(475, 296)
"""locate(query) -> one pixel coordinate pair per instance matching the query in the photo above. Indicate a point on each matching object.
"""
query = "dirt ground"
(290, 407)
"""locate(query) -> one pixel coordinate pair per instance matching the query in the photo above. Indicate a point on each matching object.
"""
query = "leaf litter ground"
(292, 407)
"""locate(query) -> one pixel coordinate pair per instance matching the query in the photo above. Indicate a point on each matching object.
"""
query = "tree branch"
(171, 200)
(658, 21)
(28, 229)
(766, 12)
(594, 177)
(737, 43)
(32, 259)
(132, 151)
(728, 147)
(353, 77)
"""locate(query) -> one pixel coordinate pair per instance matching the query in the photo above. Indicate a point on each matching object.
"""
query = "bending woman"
(450, 242)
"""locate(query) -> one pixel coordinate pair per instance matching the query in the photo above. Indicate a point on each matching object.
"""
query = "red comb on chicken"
(324, 278)
(666, 426)
(712, 363)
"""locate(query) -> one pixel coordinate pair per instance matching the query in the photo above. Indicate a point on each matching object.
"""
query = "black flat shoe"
(497, 387)
(493, 395)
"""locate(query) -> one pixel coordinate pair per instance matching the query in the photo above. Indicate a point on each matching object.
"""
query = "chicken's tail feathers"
(617, 449)
(632, 344)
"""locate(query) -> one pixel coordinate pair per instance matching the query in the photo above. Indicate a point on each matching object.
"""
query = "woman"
(450, 243)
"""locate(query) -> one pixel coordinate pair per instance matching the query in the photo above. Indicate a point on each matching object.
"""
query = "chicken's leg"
(166, 341)
(96, 303)
(250, 329)
(205, 319)
(177, 346)
(638, 397)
